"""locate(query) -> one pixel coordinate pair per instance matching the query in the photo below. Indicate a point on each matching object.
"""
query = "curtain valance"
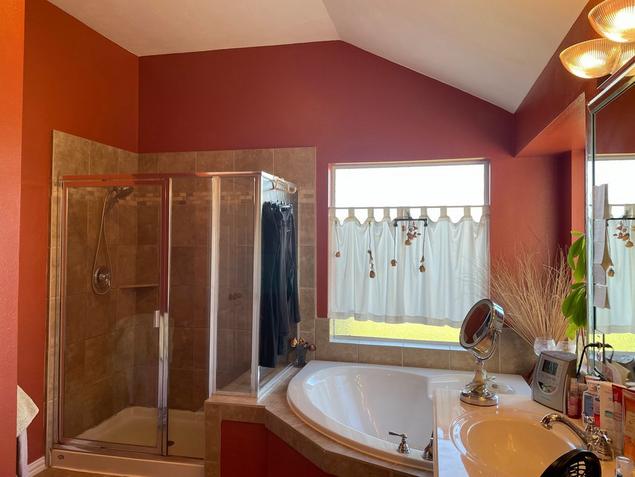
(419, 271)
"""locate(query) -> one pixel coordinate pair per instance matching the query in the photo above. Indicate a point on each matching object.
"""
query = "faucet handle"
(589, 423)
(602, 444)
(403, 447)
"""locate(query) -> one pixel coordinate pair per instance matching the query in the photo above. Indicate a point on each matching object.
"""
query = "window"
(618, 320)
(413, 279)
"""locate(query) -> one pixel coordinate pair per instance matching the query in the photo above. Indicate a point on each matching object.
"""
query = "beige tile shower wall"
(189, 345)
(189, 290)
(294, 164)
(98, 329)
(235, 281)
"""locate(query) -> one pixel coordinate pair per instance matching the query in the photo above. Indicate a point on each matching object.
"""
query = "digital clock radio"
(552, 377)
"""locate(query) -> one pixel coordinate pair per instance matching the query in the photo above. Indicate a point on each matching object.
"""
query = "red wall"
(269, 456)
(11, 58)
(76, 81)
(352, 105)
(555, 88)
(614, 126)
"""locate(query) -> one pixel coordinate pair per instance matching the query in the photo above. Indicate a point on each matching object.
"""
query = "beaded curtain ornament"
(412, 233)
(338, 254)
(623, 233)
(371, 260)
(422, 267)
(393, 262)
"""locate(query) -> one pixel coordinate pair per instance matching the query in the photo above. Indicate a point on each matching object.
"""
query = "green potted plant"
(574, 306)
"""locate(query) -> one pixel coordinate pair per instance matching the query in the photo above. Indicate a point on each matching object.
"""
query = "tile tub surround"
(76, 155)
(513, 355)
(275, 414)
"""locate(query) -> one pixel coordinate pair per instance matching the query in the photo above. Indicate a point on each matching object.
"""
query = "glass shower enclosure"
(159, 306)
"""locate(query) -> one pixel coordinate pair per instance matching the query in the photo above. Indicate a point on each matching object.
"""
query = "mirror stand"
(479, 335)
(478, 392)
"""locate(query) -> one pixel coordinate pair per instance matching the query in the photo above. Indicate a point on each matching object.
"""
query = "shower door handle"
(157, 318)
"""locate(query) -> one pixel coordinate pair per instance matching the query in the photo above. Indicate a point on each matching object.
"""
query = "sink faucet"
(594, 438)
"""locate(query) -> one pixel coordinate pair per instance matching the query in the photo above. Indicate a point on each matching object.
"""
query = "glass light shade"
(592, 58)
(627, 51)
(615, 20)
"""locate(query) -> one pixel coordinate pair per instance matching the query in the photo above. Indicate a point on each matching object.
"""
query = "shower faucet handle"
(403, 447)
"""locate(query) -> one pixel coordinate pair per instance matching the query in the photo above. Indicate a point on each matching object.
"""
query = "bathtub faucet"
(403, 447)
(300, 347)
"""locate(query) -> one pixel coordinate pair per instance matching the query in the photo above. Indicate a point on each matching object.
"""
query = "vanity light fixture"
(615, 21)
(627, 51)
(592, 58)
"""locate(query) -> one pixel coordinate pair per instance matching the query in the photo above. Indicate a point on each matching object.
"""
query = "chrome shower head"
(122, 192)
(116, 194)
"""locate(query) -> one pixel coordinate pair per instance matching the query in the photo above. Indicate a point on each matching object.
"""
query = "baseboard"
(37, 466)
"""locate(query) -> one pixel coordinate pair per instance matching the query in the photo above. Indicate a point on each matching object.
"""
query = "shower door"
(113, 314)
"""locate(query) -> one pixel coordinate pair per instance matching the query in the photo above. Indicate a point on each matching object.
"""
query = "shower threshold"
(136, 425)
(103, 464)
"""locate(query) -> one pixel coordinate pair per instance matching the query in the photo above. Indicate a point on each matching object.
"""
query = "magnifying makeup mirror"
(479, 334)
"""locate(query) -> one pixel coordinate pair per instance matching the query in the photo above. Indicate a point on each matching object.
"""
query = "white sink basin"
(510, 442)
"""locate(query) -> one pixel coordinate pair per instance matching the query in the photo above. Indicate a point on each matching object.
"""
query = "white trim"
(37, 466)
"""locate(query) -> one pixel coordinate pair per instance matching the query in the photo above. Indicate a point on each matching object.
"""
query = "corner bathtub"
(358, 404)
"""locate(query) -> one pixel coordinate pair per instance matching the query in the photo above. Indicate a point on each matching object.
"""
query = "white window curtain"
(455, 256)
(619, 316)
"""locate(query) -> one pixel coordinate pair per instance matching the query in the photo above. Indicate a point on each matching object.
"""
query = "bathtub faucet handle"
(403, 447)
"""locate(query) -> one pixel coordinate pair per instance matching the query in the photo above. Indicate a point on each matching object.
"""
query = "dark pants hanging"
(279, 302)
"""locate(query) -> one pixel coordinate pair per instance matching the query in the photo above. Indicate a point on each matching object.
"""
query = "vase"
(542, 343)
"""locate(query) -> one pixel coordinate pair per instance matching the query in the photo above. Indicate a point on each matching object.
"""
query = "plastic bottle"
(574, 401)
(588, 402)
(596, 406)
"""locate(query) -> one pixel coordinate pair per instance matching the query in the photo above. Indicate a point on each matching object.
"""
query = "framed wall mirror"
(610, 215)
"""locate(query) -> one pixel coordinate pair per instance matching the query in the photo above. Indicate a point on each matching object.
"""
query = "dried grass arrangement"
(532, 294)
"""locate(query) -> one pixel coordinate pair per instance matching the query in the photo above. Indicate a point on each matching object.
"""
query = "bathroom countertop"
(450, 462)
(274, 413)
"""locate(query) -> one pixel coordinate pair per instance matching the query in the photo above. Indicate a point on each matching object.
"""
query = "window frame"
(598, 159)
(436, 162)
(332, 168)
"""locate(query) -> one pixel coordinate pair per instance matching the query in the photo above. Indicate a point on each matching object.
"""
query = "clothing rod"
(288, 186)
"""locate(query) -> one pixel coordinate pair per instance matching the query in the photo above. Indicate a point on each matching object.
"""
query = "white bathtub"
(357, 404)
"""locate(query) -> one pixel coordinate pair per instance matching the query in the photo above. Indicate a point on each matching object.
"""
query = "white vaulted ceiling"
(492, 49)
